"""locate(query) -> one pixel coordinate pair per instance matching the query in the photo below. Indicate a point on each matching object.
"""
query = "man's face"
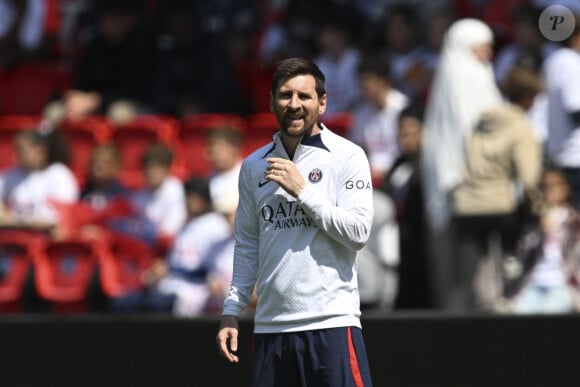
(410, 135)
(297, 106)
(105, 166)
(222, 155)
(155, 174)
(374, 89)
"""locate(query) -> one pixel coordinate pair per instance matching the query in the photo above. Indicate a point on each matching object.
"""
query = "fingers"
(278, 167)
(234, 343)
(275, 167)
(230, 335)
(278, 163)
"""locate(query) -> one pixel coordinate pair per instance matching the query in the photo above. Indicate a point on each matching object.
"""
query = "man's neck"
(290, 145)
(382, 101)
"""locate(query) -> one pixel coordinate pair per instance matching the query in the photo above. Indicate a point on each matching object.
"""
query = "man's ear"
(322, 105)
(271, 103)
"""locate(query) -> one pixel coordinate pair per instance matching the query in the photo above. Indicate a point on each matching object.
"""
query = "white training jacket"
(300, 253)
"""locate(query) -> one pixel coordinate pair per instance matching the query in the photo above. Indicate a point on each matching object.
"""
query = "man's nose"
(294, 102)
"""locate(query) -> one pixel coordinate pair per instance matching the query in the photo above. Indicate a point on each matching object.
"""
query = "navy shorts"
(334, 357)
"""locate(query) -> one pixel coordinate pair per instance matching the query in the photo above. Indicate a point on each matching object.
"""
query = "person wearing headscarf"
(463, 87)
(483, 163)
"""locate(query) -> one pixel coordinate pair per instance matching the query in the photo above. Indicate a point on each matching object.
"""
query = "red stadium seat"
(27, 88)
(63, 271)
(261, 128)
(10, 125)
(192, 138)
(134, 137)
(122, 265)
(17, 250)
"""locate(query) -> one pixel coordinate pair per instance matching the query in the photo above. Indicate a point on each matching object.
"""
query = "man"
(224, 155)
(305, 208)
(404, 185)
(375, 118)
(562, 79)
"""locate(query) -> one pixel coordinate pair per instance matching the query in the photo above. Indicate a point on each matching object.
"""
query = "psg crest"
(315, 175)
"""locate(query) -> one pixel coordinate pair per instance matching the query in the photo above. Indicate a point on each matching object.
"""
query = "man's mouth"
(294, 118)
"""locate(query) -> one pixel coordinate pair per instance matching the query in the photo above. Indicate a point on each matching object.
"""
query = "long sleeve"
(299, 254)
(246, 249)
(528, 157)
(349, 220)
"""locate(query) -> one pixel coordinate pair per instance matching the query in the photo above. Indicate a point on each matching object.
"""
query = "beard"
(291, 128)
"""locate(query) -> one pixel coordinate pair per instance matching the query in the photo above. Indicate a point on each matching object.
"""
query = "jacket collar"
(312, 141)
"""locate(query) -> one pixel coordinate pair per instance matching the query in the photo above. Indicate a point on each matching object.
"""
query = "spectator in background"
(501, 153)
(463, 87)
(437, 21)
(562, 80)
(22, 32)
(224, 154)
(159, 207)
(194, 65)
(72, 17)
(114, 72)
(401, 44)
(104, 193)
(103, 183)
(338, 58)
(379, 259)
(375, 118)
(526, 38)
(188, 280)
(550, 253)
(524, 87)
(404, 186)
(32, 190)
(221, 257)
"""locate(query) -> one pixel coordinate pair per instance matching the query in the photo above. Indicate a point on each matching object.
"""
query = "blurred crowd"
(468, 114)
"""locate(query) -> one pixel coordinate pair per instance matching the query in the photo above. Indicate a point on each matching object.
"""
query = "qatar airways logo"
(286, 215)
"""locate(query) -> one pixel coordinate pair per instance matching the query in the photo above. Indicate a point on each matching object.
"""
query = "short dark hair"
(157, 153)
(376, 64)
(198, 185)
(227, 133)
(291, 67)
(53, 140)
(522, 82)
(109, 147)
(529, 58)
(413, 110)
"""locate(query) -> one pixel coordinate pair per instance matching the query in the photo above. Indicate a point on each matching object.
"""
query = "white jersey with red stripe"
(300, 253)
